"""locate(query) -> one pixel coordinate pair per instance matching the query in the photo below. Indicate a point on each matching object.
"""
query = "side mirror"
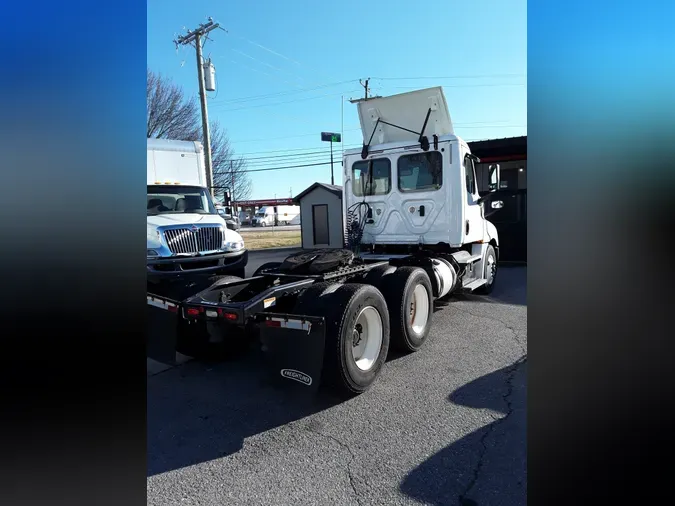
(493, 171)
(497, 204)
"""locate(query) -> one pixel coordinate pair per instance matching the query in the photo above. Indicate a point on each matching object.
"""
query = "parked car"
(232, 221)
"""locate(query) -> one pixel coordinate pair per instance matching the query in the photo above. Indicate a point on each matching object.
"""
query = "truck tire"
(489, 271)
(357, 334)
(376, 275)
(410, 301)
(268, 265)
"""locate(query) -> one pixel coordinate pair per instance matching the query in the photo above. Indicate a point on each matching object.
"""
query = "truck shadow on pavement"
(199, 412)
(489, 465)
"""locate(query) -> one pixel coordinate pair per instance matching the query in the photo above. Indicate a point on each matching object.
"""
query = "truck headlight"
(234, 246)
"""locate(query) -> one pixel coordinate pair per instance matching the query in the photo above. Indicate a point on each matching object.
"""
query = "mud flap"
(162, 329)
(294, 347)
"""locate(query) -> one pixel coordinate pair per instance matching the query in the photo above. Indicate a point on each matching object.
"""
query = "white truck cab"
(263, 217)
(407, 190)
(186, 235)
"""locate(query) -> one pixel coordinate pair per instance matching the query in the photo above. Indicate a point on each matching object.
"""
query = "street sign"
(330, 137)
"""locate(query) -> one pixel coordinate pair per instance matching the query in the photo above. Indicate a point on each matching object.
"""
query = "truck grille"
(183, 240)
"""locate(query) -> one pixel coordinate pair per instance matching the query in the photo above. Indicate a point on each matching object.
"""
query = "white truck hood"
(406, 110)
(162, 220)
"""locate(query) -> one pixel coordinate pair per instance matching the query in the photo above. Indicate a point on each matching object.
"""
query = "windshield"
(260, 213)
(165, 199)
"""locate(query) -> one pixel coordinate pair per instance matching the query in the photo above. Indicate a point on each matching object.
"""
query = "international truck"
(188, 241)
(416, 231)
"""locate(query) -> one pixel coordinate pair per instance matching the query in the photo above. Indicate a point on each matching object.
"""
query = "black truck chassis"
(262, 305)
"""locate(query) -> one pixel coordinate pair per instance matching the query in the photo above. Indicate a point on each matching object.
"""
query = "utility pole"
(342, 125)
(365, 86)
(196, 37)
(232, 177)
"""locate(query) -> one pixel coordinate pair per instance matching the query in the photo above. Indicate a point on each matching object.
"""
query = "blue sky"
(283, 67)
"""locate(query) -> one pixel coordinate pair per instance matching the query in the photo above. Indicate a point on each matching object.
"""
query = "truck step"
(464, 257)
(472, 285)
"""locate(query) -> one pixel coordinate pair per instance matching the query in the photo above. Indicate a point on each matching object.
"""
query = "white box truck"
(286, 214)
(416, 231)
(269, 216)
(186, 236)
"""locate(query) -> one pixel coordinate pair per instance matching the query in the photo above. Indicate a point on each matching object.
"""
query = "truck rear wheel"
(357, 333)
(375, 275)
(409, 298)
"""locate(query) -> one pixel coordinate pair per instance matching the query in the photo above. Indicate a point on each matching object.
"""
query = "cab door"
(474, 223)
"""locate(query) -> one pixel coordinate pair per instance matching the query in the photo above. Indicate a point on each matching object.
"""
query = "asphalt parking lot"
(445, 425)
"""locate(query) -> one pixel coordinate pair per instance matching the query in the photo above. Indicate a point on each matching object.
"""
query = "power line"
(292, 152)
(486, 85)
(485, 76)
(475, 124)
(287, 137)
(284, 103)
(490, 85)
(284, 168)
(283, 93)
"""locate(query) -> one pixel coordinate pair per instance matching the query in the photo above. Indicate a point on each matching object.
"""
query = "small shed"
(321, 216)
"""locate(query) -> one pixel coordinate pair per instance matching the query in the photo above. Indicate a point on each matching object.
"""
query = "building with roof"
(321, 224)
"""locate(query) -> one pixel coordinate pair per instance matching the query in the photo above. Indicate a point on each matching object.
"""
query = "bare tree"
(228, 169)
(172, 115)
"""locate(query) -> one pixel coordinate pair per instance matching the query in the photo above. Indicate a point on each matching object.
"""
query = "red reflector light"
(192, 311)
(230, 316)
(273, 323)
(172, 308)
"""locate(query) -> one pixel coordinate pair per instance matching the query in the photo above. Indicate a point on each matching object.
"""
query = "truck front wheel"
(489, 271)
(410, 301)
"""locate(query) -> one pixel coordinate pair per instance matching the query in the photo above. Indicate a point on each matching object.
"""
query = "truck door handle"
(421, 210)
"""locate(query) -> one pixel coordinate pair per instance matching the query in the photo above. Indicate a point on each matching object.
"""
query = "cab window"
(420, 172)
(470, 176)
(371, 178)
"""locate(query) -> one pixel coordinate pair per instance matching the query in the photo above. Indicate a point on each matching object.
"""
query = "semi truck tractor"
(416, 230)
(188, 241)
